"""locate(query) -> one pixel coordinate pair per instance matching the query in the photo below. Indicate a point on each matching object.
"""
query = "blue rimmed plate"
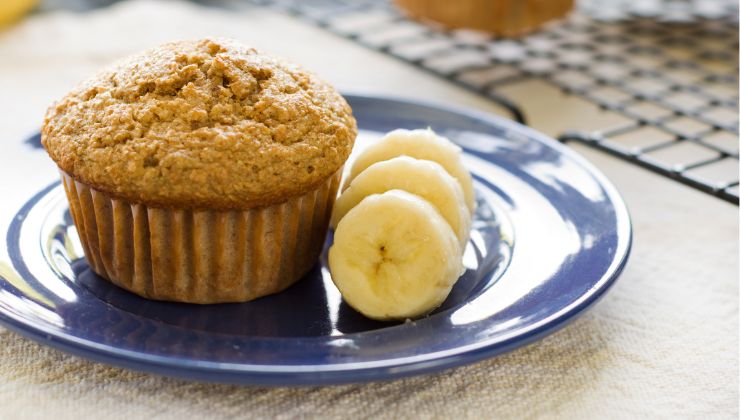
(550, 235)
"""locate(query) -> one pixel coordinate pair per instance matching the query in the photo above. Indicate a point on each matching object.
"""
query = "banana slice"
(419, 144)
(394, 256)
(424, 178)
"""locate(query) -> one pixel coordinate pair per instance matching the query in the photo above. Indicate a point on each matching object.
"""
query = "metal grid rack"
(673, 77)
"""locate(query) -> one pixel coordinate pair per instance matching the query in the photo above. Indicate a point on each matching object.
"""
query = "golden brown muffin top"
(201, 124)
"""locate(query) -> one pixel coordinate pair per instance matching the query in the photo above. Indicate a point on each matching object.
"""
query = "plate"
(550, 236)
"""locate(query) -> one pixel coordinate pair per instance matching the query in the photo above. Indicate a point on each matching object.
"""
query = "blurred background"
(652, 82)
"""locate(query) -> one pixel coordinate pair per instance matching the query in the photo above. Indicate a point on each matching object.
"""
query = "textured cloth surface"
(662, 343)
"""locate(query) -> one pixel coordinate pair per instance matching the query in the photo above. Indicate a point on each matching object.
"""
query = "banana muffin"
(201, 171)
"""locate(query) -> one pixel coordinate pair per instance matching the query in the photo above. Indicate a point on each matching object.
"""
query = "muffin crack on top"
(201, 124)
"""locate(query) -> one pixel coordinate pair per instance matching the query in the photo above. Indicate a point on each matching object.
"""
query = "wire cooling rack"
(669, 69)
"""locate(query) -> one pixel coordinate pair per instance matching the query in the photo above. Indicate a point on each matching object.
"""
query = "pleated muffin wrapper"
(201, 256)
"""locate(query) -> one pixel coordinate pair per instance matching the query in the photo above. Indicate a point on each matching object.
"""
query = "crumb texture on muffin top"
(201, 124)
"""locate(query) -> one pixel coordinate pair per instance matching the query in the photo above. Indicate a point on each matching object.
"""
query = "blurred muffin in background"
(500, 17)
(11, 10)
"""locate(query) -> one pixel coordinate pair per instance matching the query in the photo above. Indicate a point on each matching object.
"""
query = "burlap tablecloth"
(662, 343)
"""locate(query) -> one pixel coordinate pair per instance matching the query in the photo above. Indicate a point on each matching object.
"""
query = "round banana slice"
(420, 144)
(424, 178)
(394, 256)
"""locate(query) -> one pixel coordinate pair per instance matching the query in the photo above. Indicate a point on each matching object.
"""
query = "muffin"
(500, 17)
(201, 171)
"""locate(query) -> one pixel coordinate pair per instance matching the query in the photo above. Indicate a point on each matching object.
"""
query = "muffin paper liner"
(201, 256)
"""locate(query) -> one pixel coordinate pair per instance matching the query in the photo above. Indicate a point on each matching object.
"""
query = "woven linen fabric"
(663, 343)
